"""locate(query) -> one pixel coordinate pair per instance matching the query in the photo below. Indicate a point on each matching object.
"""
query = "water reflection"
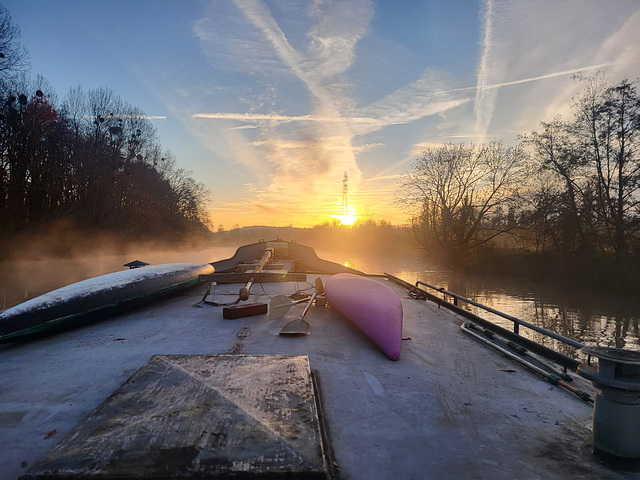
(592, 317)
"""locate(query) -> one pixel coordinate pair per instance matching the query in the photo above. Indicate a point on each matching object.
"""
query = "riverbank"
(380, 240)
(63, 241)
(596, 316)
(569, 270)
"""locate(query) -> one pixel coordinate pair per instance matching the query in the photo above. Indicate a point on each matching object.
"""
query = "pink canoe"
(371, 306)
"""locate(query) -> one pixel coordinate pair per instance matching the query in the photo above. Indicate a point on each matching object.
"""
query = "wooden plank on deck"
(262, 277)
(199, 416)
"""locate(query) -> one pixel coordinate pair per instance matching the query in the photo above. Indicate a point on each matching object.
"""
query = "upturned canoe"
(371, 306)
(93, 299)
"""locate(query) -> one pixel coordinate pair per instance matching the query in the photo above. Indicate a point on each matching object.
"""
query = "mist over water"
(592, 317)
(26, 278)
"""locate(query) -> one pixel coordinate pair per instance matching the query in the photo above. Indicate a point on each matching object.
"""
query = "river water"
(593, 317)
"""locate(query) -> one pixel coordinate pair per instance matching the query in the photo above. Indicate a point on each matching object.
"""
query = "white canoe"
(89, 300)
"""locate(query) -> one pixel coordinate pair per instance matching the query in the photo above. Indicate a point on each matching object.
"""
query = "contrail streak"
(483, 115)
(544, 77)
(133, 116)
(492, 64)
(260, 17)
(492, 86)
(377, 121)
(285, 118)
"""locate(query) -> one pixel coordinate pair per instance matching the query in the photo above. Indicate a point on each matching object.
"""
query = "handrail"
(516, 321)
(421, 294)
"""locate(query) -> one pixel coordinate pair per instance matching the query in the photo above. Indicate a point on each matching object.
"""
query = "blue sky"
(269, 102)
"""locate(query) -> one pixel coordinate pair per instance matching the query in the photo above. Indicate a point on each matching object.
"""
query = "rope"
(204, 300)
(213, 304)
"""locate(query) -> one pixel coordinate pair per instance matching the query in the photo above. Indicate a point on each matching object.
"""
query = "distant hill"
(367, 236)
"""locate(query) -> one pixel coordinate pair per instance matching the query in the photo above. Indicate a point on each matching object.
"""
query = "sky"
(268, 103)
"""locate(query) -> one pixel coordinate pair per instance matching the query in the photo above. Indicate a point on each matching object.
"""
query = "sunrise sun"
(346, 219)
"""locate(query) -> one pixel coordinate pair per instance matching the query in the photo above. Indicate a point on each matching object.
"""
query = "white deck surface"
(450, 408)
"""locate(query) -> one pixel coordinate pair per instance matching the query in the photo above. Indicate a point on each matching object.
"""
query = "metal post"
(616, 412)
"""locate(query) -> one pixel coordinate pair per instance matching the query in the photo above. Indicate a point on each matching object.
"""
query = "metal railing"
(516, 321)
(561, 359)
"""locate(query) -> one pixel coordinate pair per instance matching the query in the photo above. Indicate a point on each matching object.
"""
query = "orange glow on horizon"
(300, 215)
(347, 220)
(347, 215)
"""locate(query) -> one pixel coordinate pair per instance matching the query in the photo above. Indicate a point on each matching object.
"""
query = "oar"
(519, 349)
(550, 377)
(300, 326)
(244, 291)
(280, 304)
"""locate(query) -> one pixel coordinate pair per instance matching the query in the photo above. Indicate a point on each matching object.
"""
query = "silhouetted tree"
(454, 191)
(96, 160)
(554, 150)
(608, 127)
(596, 157)
(13, 56)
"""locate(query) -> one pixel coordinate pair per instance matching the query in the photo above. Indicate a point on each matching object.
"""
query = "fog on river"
(592, 317)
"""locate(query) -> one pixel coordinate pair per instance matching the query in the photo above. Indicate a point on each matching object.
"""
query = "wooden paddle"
(300, 326)
(280, 304)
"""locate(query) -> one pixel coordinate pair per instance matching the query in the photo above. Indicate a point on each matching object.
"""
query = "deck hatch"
(199, 416)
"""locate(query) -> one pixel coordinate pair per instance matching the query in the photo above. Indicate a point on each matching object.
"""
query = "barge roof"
(448, 408)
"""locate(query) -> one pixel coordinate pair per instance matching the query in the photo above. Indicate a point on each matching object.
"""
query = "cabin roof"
(449, 406)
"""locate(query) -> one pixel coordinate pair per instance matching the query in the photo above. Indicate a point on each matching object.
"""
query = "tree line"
(91, 159)
(572, 187)
(366, 237)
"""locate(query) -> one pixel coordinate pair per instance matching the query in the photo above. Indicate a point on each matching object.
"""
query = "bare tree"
(13, 56)
(608, 126)
(554, 150)
(596, 157)
(191, 197)
(456, 194)
(96, 161)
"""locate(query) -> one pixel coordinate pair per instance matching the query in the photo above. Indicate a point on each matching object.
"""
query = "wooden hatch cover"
(199, 416)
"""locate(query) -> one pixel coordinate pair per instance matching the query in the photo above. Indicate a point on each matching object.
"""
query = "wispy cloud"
(128, 116)
(260, 16)
(429, 95)
(298, 147)
(243, 127)
(368, 146)
(383, 178)
(285, 118)
(520, 45)
(332, 37)
(488, 68)
(308, 153)
(424, 145)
